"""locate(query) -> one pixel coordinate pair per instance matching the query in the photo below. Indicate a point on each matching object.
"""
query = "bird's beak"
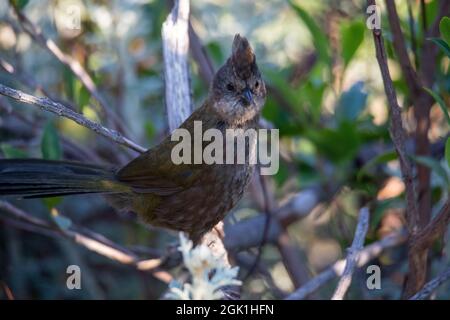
(247, 97)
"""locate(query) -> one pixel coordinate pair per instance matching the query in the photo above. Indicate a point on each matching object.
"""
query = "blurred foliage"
(325, 96)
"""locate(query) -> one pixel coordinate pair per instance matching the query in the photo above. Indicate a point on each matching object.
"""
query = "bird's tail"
(34, 178)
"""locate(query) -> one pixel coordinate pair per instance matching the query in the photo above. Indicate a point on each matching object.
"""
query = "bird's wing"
(154, 171)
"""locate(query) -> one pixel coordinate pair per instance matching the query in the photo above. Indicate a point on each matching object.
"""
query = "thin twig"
(77, 69)
(422, 102)
(412, 30)
(247, 233)
(265, 233)
(205, 65)
(431, 286)
(417, 262)
(423, 12)
(337, 269)
(396, 129)
(434, 230)
(408, 71)
(352, 257)
(90, 240)
(63, 111)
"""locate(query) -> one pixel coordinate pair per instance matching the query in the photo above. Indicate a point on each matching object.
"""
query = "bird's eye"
(256, 84)
(230, 87)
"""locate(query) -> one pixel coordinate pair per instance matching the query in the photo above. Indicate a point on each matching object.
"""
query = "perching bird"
(186, 197)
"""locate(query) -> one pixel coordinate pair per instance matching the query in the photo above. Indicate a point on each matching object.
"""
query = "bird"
(186, 197)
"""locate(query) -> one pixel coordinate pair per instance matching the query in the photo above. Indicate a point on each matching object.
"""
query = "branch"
(396, 129)
(352, 257)
(400, 49)
(90, 240)
(337, 269)
(63, 111)
(175, 41)
(77, 69)
(417, 261)
(434, 230)
(431, 286)
(247, 233)
(205, 65)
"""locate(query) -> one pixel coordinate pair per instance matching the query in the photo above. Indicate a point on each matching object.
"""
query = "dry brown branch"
(408, 71)
(396, 129)
(431, 286)
(366, 254)
(417, 261)
(433, 231)
(293, 258)
(90, 240)
(422, 104)
(63, 111)
(353, 253)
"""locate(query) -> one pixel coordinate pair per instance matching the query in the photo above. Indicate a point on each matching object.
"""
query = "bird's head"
(238, 91)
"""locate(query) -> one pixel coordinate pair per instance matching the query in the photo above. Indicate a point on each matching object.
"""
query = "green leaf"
(447, 151)
(441, 103)
(51, 202)
(338, 145)
(382, 158)
(352, 37)
(282, 175)
(50, 145)
(150, 129)
(312, 92)
(319, 38)
(444, 28)
(215, 52)
(81, 94)
(20, 4)
(351, 103)
(435, 166)
(10, 152)
(442, 44)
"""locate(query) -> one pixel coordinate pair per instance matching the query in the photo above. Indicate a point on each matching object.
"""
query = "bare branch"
(416, 260)
(77, 69)
(400, 49)
(90, 240)
(247, 233)
(353, 253)
(175, 40)
(205, 65)
(434, 230)
(337, 269)
(431, 286)
(63, 111)
(396, 129)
